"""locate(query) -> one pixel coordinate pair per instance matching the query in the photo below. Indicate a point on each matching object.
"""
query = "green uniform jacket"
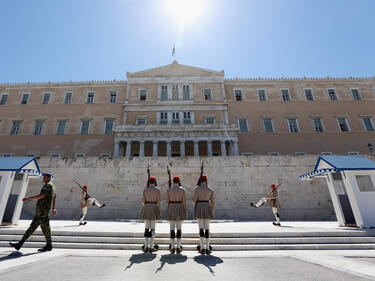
(44, 205)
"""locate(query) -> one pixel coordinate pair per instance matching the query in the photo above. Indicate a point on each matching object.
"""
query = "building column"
(155, 149)
(117, 146)
(128, 149)
(235, 147)
(169, 149)
(209, 148)
(182, 148)
(196, 148)
(223, 148)
(141, 148)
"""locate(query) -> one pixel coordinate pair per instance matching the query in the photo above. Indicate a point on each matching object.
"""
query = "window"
(238, 95)
(326, 153)
(299, 153)
(273, 153)
(46, 98)
(356, 95)
(175, 92)
(105, 155)
(108, 127)
(31, 155)
(210, 120)
(80, 155)
(68, 98)
(141, 121)
(365, 183)
(318, 125)
(353, 153)
(207, 94)
(142, 94)
(7, 155)
(112, 96)
(285, 95)
(332, 94)
(187, 117)
(25, 98)
(268, 125)
(16, 128)
(343, 124)
(61, 127)
(309, 94)
(186, 92)
(4, 98)
(262, 95)
(367, 122)
(85, 127)
(242, 124)
(38, 127)
(163, 117)
(293, 125)
(55, 155)
(175, 118)
(164, 92)
(90, 97)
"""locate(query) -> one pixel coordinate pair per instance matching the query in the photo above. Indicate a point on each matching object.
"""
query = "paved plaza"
(91, 264)
(133, 265)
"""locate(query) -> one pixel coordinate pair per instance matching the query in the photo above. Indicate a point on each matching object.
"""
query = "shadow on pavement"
(208, 261)
(16, 254)
(140, 258)
(170, 259)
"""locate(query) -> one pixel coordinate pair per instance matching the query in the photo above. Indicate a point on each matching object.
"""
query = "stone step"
(276, 234)
(193, 247)
(195, 241)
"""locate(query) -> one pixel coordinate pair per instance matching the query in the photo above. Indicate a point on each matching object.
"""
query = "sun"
(185, 11)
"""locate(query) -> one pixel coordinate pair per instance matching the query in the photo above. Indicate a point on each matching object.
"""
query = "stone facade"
(236, 181)
(179, 110)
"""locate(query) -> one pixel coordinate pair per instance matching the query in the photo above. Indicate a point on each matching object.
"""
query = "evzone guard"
(151, 212)
(204, 211)
(176, 212)
(86, 202)
(272, 200)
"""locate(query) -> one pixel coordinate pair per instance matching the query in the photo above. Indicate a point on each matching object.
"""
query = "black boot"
(47, 247)
(17, 245)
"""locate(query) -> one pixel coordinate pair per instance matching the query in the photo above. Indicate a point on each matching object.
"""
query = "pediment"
(174, 70)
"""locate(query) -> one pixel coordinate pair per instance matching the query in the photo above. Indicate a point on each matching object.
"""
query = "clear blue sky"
(44, 40)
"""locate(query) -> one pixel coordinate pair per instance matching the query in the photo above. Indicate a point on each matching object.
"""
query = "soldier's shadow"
(16, 254)
(170, 259)
(208, 261)
(140, 258)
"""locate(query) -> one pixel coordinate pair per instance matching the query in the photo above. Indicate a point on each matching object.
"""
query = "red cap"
(152, 179)
(272, 186)
(204, 177)
(176, 179)
(85, 186)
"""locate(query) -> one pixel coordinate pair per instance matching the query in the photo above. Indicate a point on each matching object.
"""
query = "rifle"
(264, 199)
(148, 174)
(276, 187)
(80, 186)
(169, 176)
(200, 177)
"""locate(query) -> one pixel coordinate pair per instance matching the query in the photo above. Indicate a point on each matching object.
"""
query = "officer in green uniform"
(46, 197)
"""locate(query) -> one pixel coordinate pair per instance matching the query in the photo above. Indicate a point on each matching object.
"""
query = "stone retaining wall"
(236, 180)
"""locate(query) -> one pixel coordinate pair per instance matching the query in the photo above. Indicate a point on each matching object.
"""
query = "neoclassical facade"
(178, 110)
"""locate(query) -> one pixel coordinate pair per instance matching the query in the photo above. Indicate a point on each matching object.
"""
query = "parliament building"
(178, 110)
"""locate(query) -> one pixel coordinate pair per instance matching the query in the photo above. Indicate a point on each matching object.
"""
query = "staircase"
(334, 240)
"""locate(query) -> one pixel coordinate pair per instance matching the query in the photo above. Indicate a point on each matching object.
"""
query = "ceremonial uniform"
(204, 211)
(176, 213)
(86, 202)
(41, 218)
(151, 212)
(274, 203)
